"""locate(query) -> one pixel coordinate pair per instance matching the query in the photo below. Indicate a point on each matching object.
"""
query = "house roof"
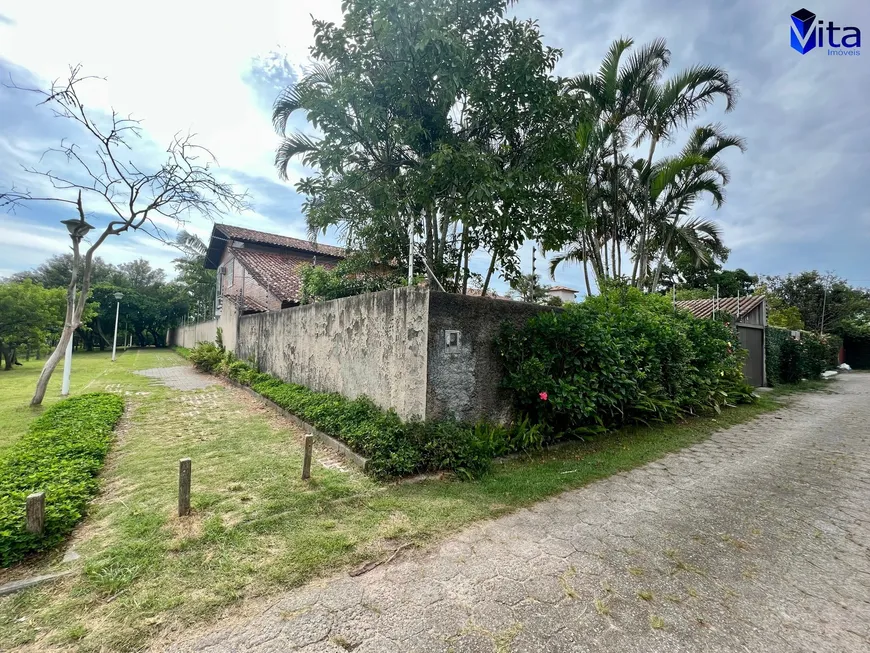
(252, 304)
(222, 233)
(562, 289)
(703, 308)
(278, 272)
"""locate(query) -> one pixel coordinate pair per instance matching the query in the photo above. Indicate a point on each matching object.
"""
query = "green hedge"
(789, 361)
(620, 358)
(392, 447)
(61, 455)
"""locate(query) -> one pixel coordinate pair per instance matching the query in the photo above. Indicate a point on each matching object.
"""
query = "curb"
(334, 444)
(18, 585)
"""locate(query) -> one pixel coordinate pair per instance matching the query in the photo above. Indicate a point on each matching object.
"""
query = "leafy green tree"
(529, 288)
(57, 271)
(354, 276)
(786, 317)
(28, 314)
(199, 283)
(826, 302)
(439, 118)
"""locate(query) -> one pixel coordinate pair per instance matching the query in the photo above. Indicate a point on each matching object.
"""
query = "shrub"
(619, 358)
(206, 356)
(789, 360)
(61, 454)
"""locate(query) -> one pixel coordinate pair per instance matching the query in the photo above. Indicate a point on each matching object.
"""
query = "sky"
(796, 201)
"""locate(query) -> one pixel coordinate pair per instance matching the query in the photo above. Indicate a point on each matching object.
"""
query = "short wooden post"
(36, 513)
(184, 466)
(306, 461)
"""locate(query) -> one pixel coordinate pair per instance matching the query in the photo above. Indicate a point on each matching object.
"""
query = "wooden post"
(184, 487)
(36, 513)
(306, 461)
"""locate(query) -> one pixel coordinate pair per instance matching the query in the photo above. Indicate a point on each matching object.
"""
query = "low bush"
(60, 455)
(206, 356)
(620, 358)
(392, 447)
(789, 360)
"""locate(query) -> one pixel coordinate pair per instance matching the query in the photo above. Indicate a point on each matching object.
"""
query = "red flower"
(543, 396)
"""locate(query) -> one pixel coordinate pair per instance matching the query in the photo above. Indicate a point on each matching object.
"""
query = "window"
(231, 272)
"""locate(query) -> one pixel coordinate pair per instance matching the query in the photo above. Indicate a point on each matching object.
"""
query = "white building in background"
(567, 295)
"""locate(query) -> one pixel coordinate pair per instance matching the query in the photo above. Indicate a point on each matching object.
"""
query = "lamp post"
(78, 229)
(119, 297)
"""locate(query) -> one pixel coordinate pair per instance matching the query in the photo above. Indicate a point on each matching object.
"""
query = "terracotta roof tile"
(252, 304)
(703, 308)
(278, 273)
(252, 236)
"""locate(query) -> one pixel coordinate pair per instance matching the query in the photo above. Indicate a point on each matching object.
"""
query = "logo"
(808, 34)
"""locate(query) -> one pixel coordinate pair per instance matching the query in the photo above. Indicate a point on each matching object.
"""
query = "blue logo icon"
(803, 34)
(808, 34)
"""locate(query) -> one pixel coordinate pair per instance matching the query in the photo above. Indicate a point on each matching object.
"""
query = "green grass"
(90, 371)
(257, 528)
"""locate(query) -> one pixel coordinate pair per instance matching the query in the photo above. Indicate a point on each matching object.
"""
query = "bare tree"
(101, 171)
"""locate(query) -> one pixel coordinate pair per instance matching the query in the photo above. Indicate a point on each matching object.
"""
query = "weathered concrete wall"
(463, 380)
(374, 345)
(190, 336)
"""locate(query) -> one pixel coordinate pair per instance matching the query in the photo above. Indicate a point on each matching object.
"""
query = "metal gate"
(752, 340)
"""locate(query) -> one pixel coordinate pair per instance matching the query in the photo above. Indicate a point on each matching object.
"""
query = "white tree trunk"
(74, 310)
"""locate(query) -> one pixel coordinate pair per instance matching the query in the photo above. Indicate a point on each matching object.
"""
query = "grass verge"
(257, 528)
(60, 455)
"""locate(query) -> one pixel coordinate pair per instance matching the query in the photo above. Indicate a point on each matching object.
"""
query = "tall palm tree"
(665, 107)
(674, 190)
(611, 96)
(626, 104)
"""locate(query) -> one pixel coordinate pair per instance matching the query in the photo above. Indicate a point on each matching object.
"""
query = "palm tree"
(675, 188)
(622, 203)
(611, 97)
(664, 108)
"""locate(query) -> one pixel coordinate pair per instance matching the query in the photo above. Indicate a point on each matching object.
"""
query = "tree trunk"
(465, 270)
(640, 261)
(586, 276)
(489, 272)
(74, 310)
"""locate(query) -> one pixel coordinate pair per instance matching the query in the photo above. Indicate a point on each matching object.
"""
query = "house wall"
(757, 316)
(373, 344)
(566, 296)
(252, 288)
(463, 380)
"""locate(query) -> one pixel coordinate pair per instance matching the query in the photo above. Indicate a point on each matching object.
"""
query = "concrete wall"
(189, 336)
(373, 344)
(392, 346)
(463, 379)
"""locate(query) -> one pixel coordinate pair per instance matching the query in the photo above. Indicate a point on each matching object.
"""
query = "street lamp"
(78, 229)
(119, 297)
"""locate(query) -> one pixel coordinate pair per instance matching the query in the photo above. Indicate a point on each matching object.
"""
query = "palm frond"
(293, 145)
(190, 244)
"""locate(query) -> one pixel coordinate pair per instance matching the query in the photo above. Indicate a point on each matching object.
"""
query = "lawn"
(91, 371)
(257, 528)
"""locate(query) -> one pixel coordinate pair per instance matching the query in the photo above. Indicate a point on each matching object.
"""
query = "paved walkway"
(180, 377)
(754, 541)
